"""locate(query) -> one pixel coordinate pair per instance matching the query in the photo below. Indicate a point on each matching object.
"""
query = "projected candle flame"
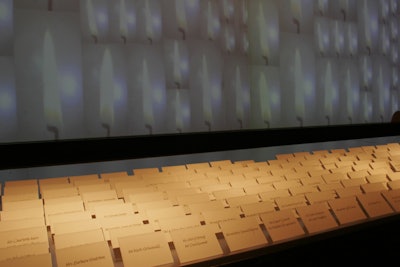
(181, 17)
(177, 66)
(296, 9)
(264, 99)
(92, 21)
(262, 30)
(206, 90)
(239, 97)
(322, 6)
(328, 92)
(51, 87)
(147, 98)
(298, 87)
(123, 21)
(107, 92)
(149, 22)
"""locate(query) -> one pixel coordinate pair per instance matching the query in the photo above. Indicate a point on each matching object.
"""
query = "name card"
(15, 252)
(75, 226)
(221, 215)
(349, 191)
(197, 208)
(113, 210)
(347, 210)
(66, 191)
(24, 236)
(93, 187)
(21, 214)
(43, 260)
(196, 244)
(259, 188)
(242, 200)
(145, 197)
(68, 217)
(108, 223)
(89, 255)
(291, 202)
(98, 196)
(272, 195)
(157, 204)
(252, 209)
(149, 249)
(374, 204)
(393, 197)
(316, 218)
(22, 223)
(139, 229)
(282, 225)
(320, 197)
(243, 233)
(24, 204)
(63, 208)
(169, 212)
(192, 198)
(167, 225)
(74, 239)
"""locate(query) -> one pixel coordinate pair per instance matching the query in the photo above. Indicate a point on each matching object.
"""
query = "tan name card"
(192, 198)
(22, 223)
(68, 217)
(139, 229)
(167, 225)
(272, 195)
(113, 210)
(252, 209)
(196, 244)
(317, 218)
(75, 226)
(282, 225)
(108, 223)
(197, 208)
(393, 197)
(24, 204)
(347, 210)
(291, 202)
(169, 212)
(149, 249)
(374, 204)
(97, 196)
(42, 260)
(243, 233)
(21, 214)
(89, 255)
(242, 200)
(59, 192)
(15, 252)
(221, 215)
(73, 239)
(23, 236)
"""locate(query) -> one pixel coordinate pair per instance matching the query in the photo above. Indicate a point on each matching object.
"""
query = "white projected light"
(298, 88)
(123, 21)
(147, 91)
(107, 92)
(328, 93)
(212, 22)
(263, 36)
(296, 10)
(322, 6)
(177, 66)
(181, 17)
(149, 22)
(239, 97)
(206, 90)
(265, 94)
(92, 21)
(51, 87)
(227, 10)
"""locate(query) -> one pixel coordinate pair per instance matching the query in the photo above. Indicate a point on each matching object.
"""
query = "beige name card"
(23, 236)
(393, 197)
(24, 204)
(89, 255)
(59, 192)
(108, 223)
(169, 212)
(242, 200)
(14, 252)
(68, 217)
(291, 202)
(167, 225)
(374, 204)
(75, 226)
(221, 215)
(197, 208)
(272, 195)
(139, 229)
(97, 196)
(42, 260)
(21, 214)
(74, 239)
(282, 225)
(192, 198)
(22, 223)
(347, 210)
(149, 249)
(113, 210)
(317, 218)
(243, 233)
(252, 209)
(196, 244)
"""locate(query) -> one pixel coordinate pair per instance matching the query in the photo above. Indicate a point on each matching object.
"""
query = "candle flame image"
(344, 7)
(338, 38)
(385, 40)
(262, 30)
(229, 39)
(107, 92)
(206, 90)
(322, 6)
(366, 73)
(123, 21)
(147, 98)
(321, 38)
(181, 17)
(92, 21)
(239, 97)
(328, 92)
(227, 9)
(296, 9)
(352, 39)
(264, 99)
(349, 95)
(177, 66)
(149, 22)
(298, 87)
(178, 112)
(245, 12)
(51, 87)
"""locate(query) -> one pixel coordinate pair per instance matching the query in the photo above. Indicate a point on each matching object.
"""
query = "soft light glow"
(181, 17)
(51, 87)
(176, 66)
(92, 20)
(147, 97)
(149, 22)
(6, 101)
(265, 94)
(322, 6)
(107, 91)
(205, 82)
